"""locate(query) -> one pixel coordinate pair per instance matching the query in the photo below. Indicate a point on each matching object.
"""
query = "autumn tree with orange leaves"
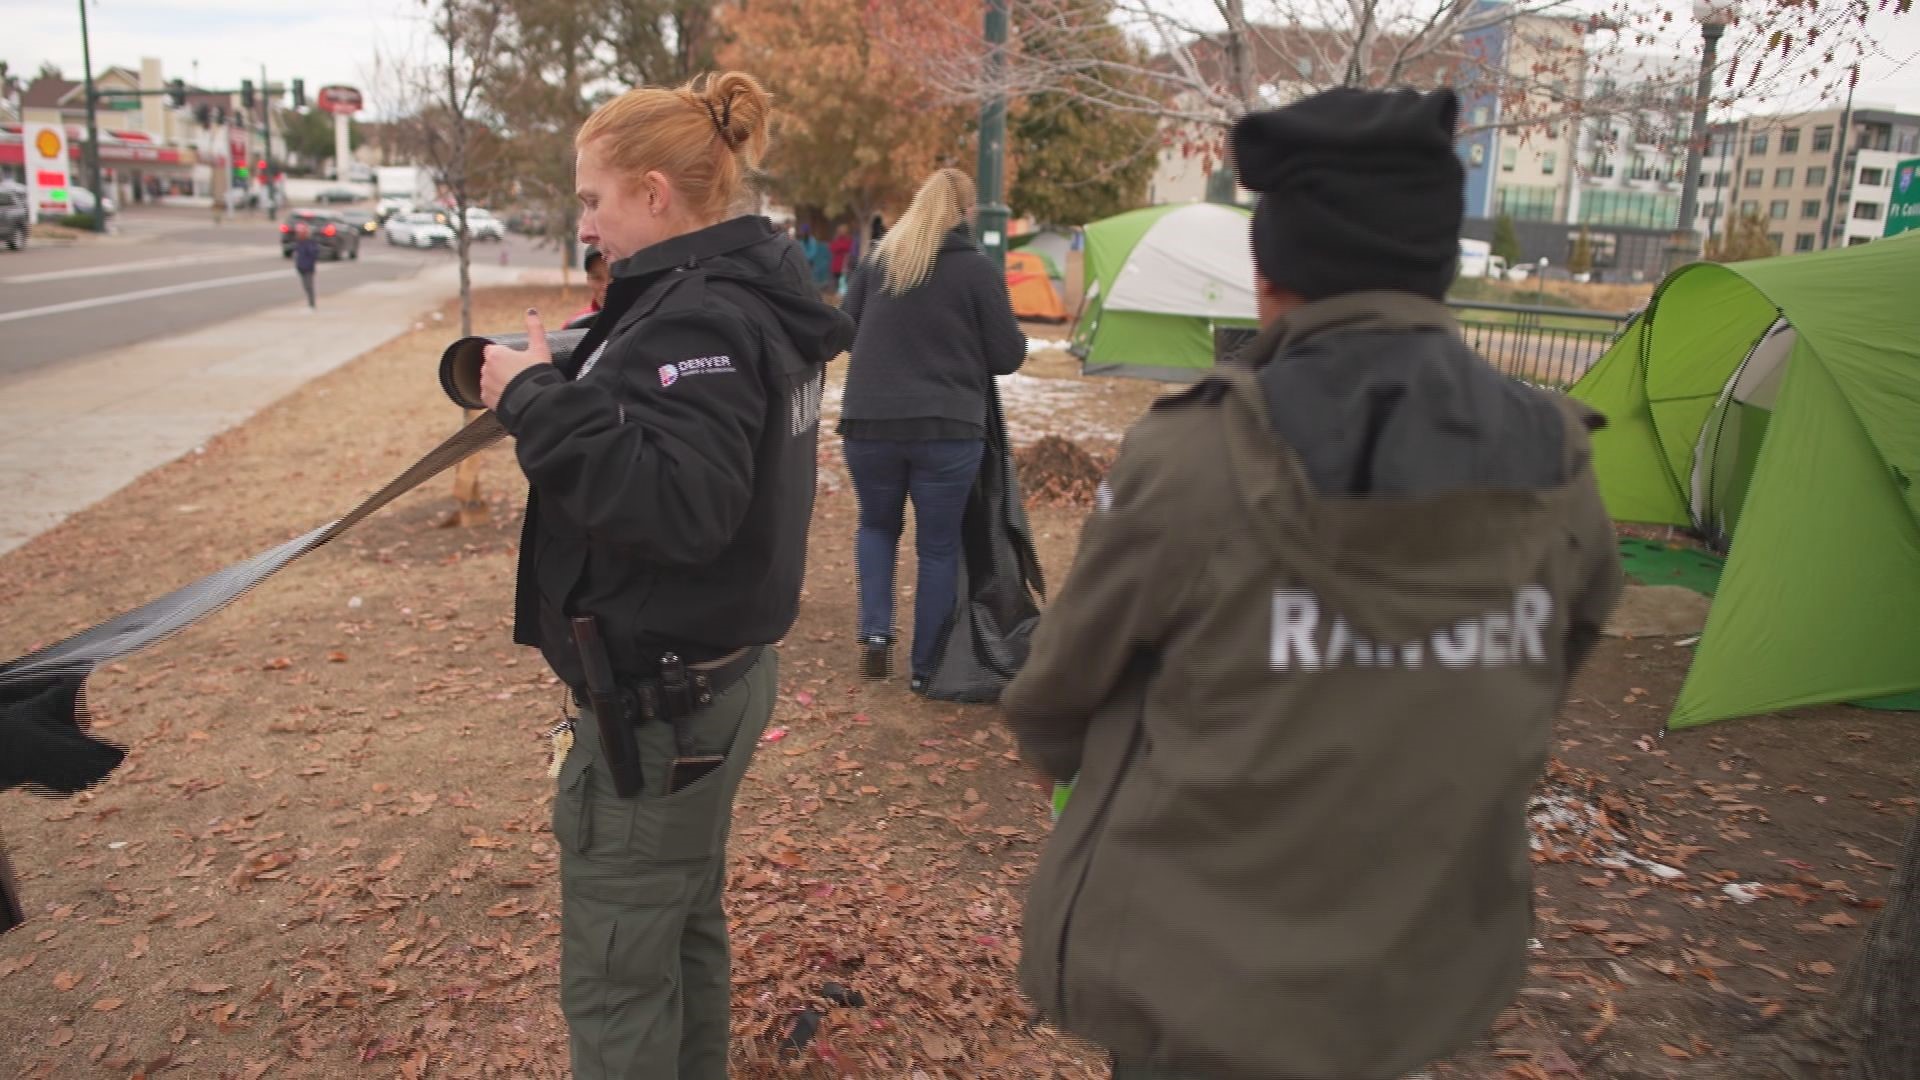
(855, 128)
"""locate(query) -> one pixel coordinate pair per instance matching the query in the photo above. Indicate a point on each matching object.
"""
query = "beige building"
(1782, 168)
(1534, 172)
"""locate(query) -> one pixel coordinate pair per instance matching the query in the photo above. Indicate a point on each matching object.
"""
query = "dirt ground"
(328, 853)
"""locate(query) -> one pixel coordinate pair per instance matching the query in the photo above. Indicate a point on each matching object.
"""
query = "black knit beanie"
(1359, 190)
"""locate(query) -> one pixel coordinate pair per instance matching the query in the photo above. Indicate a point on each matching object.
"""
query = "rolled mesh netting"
(26, 683)
(70, 661)
(45, 691)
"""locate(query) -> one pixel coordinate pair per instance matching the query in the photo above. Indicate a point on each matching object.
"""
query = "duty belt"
(703, 683)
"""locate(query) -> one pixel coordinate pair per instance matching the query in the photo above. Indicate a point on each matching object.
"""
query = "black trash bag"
(985, 641)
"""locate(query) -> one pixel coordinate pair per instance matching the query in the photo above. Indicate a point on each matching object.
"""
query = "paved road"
(168, 271)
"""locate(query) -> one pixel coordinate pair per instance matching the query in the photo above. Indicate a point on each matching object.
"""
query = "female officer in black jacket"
(672, 474)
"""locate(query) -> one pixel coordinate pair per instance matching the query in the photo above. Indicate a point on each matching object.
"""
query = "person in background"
(842, 251)
(306, 259)
(1307, 661)
(595, 265)
(671, 466)
(819, 259)
(934, 325)
(876, 231)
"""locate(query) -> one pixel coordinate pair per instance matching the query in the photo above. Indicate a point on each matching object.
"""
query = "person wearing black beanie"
(1304, 672)
(1359, 190)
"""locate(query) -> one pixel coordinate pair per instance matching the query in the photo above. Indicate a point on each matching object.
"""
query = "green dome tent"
(1159, 281)
(1775, 406)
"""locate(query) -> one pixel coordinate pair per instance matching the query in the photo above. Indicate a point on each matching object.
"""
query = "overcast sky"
(216, 43)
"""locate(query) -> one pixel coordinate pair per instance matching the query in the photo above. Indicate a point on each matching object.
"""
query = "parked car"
(418, 229)
(484, 226)
(81, 201)
(337, 239)
(364, 220)
(390, 206)
(337, 195)
(13, 215)
(529, 222)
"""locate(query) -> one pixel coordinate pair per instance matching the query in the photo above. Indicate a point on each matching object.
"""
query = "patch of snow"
(1561, 812)
(1744, 893)
(1035, 345)
(1035, 408)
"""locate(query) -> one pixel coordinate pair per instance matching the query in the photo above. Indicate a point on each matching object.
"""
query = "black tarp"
(985, 641)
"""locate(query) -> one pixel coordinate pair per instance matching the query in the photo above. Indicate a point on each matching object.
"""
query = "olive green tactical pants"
(644, 967)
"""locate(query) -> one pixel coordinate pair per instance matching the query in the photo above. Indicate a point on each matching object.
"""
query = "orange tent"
(1034, 296)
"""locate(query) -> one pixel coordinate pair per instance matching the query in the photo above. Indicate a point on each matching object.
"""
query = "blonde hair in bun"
(707, 135)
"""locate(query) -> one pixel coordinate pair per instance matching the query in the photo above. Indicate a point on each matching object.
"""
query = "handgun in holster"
(679, 700)
(611, 708)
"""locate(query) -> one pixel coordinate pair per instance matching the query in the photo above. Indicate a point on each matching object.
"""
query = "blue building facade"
(1477, 84)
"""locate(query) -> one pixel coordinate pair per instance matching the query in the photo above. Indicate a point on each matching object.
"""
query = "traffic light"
(299, 93)
(177, 93)
(260, 168)
(246, 93)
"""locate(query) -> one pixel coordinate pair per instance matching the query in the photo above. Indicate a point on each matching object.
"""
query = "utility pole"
(1839, 161)
(992, 214)
(266, 141)
(93, 129)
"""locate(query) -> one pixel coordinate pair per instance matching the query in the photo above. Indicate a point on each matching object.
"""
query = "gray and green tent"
(1775, 407)
(1159, 282)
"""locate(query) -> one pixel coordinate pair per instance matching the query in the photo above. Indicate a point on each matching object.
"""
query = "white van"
(1477, 260)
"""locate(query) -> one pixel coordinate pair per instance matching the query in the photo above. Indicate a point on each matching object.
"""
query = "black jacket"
(672, 484)
(930, 351)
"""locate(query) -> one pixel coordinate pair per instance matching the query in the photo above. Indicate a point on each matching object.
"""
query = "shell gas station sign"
(46, 168)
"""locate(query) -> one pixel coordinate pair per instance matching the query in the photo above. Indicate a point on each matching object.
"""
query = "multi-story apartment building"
(1632, 153)
(1791, 171)
(1521, 79)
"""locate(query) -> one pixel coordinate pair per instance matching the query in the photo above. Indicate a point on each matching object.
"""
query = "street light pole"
(93, 128)
(992, 214)
(1686, 238)
(1839, 162)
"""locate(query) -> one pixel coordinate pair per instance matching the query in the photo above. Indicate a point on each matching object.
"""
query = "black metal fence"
(1545, 346)
(1542, 345)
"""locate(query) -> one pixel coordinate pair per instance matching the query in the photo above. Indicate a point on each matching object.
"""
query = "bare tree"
(442, 104)
(1213, 60)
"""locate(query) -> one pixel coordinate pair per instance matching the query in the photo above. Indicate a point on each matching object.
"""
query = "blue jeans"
(937, 474)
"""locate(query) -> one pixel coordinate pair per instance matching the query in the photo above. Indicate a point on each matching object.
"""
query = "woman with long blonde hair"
(934, 325)
(671, 461)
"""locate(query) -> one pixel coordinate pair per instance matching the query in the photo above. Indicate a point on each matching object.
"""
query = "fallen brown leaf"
(108, 1004)
(1675, 1052)
(65, 981)
(61, 1036)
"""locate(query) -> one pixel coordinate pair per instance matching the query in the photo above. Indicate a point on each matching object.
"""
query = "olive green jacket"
(1305, 730)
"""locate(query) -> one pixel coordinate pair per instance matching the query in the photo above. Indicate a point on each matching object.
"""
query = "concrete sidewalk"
(74, 434)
